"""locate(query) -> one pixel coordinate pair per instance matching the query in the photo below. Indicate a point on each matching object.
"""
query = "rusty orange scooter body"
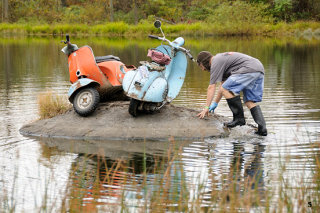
(93, 78)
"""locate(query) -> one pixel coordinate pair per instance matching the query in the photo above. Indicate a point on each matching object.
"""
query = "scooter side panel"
(112, 71)
(82, 63)
(177, 75)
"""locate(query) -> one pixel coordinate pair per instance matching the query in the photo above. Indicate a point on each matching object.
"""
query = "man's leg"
(251, 95)
(259, 119)
(250, 104)
(226, 93)
(235, 105)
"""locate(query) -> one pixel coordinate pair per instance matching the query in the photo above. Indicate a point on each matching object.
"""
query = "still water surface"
(36, 171)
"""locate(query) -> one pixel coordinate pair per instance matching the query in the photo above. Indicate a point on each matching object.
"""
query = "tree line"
(173, 11)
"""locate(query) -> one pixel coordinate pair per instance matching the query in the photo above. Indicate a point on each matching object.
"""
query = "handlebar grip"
(67, 37)
(153, 36)
(190, 56)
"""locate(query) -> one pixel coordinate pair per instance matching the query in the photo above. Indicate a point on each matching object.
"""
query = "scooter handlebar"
(67, 41)
(153, 36)
(181, 48)
(187, 52)
(190, 56)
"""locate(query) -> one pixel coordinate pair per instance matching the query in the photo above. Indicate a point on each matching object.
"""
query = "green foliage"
(283, 10)
(174, 11)
(94, 13)
(167, 9)
(245, 14)
(72, 14)
(199, 13)
(248, 18)
(39, 11)
(236, 17)
(306, 9)
(200, 10)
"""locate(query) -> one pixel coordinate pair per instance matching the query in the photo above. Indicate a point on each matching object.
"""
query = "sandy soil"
(111, 121)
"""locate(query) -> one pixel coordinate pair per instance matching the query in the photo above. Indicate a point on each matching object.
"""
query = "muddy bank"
(111, 121)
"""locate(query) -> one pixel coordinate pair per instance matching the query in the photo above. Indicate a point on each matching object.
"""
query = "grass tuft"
(50, 105)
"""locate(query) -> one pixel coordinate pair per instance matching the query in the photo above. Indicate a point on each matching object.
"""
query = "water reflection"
(103, 176)
(200, 168)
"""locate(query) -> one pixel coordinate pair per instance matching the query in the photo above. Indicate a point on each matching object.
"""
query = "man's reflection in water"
(255, 169)
(247, 168)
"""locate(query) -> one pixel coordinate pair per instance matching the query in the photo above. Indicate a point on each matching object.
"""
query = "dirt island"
(112, 121)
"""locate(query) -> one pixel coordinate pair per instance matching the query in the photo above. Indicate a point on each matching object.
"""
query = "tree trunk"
(111, 10)
(135, 11)
(5, 10)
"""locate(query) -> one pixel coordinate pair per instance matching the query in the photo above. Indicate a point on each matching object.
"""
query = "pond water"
(40, 173)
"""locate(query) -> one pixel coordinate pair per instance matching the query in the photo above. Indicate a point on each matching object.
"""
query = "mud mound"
(111, 121)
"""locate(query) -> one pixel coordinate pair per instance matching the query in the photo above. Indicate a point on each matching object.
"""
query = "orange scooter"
(93, 78)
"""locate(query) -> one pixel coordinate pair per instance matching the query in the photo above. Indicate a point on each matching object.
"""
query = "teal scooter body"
(154, 84)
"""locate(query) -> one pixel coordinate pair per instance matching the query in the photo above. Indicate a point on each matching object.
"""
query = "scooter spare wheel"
(86, 101)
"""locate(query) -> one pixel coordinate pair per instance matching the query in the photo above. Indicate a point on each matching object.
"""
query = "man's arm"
(217, 99)
(210, 94)
(219, 94)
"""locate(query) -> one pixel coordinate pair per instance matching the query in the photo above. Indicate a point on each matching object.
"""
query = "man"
(235, 72)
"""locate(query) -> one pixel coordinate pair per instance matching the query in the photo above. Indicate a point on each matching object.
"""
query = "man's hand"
(213, 106)
(205, 112)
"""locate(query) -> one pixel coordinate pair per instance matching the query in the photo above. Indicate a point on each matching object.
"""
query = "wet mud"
(112, 121)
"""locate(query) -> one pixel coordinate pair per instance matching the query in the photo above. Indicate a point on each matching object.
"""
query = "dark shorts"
(251, 84)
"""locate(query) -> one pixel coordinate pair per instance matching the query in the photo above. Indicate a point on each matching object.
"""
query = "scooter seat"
(153, 66)
(100, 59)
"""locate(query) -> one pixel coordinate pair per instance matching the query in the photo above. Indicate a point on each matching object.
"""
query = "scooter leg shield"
(259, 119)
(157, 91)
(127, 80)
(235, 106)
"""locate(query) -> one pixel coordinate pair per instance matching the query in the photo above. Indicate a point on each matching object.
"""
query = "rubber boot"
(259, 119)
(235, 106)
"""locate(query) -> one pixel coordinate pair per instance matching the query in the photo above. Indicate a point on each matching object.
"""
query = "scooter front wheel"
(86, 101)
(133, 107)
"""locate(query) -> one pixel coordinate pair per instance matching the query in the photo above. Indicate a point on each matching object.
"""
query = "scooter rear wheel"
(86, 101)
(133, 107)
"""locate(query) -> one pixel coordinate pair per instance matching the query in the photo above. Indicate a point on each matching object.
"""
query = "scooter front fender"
(82, 82)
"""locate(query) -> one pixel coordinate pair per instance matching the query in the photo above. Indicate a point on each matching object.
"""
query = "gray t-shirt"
(225, 64)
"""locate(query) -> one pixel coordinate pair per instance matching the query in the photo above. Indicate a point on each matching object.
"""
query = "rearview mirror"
(157, 24)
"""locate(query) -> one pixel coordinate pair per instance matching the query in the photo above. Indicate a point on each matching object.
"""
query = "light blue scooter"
(154, 84)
